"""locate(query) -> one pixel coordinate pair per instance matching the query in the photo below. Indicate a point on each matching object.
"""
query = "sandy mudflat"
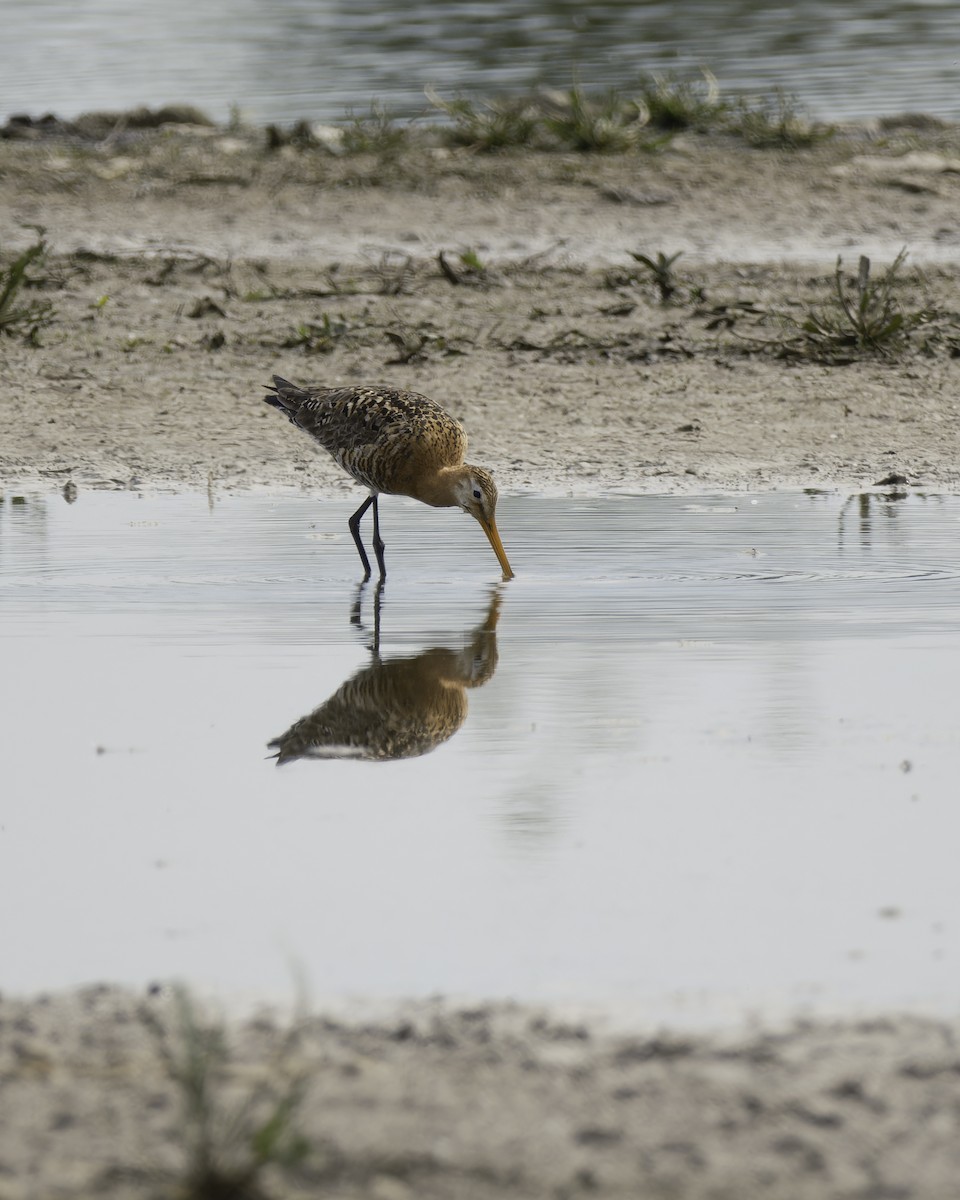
(200, 258)
(494, 1101)
(188, 266)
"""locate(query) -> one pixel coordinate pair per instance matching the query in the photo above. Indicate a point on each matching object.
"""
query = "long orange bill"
(491, 531)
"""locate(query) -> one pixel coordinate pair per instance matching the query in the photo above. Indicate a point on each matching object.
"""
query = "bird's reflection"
(397, 707)
(872, 508)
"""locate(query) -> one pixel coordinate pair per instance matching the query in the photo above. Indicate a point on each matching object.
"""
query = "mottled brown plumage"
(396, 442)
(397, 708)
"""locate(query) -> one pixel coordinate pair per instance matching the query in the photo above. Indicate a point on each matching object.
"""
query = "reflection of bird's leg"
(377, 593)
(378, 546)
(356, 613)
(354, 524)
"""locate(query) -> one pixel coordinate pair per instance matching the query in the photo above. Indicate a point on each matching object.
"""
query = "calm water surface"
(318, 58)
(698, 759)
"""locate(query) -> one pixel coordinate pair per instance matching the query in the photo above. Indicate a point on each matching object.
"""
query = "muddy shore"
(487, 1101)
(186, 266)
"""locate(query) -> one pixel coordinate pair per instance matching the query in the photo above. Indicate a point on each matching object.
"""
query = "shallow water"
(319, 58)
(698, 759)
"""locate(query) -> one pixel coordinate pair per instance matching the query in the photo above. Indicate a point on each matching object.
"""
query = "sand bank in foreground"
(488, 1101)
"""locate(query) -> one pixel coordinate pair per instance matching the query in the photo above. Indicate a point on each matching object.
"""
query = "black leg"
(354, 524)
(378, 546)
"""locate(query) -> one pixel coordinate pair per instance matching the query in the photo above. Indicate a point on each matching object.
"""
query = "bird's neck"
(439, 490)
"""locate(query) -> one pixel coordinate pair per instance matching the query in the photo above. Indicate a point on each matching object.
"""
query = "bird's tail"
(286, 396)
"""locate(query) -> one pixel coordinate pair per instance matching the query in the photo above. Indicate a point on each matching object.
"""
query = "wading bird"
(396, 442)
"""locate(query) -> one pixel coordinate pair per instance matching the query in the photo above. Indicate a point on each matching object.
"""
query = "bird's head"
(476, 493)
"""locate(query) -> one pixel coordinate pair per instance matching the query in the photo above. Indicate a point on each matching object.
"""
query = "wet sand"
(188, 266)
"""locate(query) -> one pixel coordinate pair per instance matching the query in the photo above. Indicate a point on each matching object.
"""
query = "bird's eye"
(476, 494)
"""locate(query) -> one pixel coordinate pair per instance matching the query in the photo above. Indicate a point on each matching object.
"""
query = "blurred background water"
(320, 59)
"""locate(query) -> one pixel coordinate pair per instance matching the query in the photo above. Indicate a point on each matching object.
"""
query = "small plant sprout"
(861, 318)
(231, 1131)
(492, 125)
(471, 261)
(609, 123)
(374, 133)
(17, 315)
(317, 338)
(776, 124)
(676, 104)
(661, 272)
(469, 269)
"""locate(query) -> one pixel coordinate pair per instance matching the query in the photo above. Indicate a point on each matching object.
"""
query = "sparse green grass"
(607, 124)
(18, 315)
(775, 123)
(674, 104)
(317, 338)
(231, 1133)
(862, 317)
(611, 122)
(377, 132)
(490, 125)
(615, 122)
(413, 345)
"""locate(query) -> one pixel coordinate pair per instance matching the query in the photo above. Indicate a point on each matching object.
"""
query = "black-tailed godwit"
(394, 442)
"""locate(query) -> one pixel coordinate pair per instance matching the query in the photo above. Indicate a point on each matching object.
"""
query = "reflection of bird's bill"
(490, 529)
